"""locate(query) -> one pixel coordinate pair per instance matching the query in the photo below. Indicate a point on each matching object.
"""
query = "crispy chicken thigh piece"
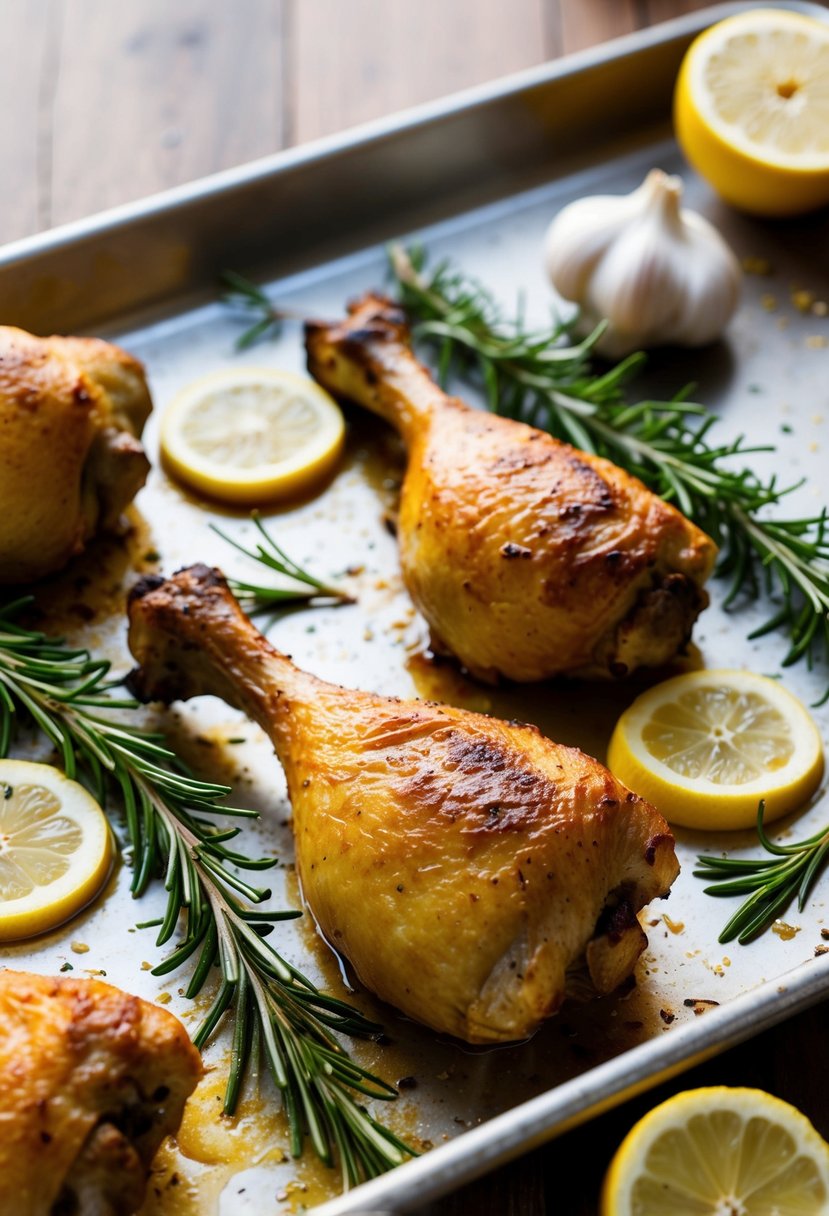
(71, 414)
(527, 557)
(462, 864)
(91, 1080)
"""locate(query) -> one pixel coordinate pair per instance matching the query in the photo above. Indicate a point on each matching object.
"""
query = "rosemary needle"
(174, 834)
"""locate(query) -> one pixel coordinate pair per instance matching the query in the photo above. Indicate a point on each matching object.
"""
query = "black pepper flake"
(666, 1016)
(400, 886)
(8, 790)
(699, 1004)
(407, 1083)
(511, 551)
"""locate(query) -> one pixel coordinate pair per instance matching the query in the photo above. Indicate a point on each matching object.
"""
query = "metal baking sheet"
(477, 179)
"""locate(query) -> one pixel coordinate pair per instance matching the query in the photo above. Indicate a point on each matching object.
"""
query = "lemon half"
(719, 1150)
(706, 746)
(252, 435)
(751, 110)
(55, 848)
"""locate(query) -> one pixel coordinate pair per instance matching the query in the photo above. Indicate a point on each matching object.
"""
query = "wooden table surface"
(105, 102)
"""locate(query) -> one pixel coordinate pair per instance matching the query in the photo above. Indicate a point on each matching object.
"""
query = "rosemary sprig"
(265, 597)
(240, 293)
(530, 374)
(773, 882)
(173, 832)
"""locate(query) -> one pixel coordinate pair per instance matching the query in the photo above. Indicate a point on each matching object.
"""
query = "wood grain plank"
(664, 10)
(583, 23)
(152, 95)
(517, 1189)
(352, 62)
(30, 35)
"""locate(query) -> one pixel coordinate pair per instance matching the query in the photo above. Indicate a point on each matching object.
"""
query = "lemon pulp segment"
(723, 734)
(719, 1152)
(706, 746)
(252, 434)
(55, 848)
(751, 110)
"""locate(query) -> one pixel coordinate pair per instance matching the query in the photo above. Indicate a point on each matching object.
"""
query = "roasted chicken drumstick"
(462, 864)
(91, 1081)
(527, 557)
(71, 415)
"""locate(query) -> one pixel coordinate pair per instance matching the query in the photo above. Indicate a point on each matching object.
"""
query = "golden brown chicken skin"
(91, 1080)
(462, 864)
(71, 414)
(527, 558)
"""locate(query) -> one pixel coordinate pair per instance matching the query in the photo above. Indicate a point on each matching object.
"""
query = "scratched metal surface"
(767, 379)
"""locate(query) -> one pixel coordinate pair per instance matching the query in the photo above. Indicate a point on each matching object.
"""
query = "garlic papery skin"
(658, 274)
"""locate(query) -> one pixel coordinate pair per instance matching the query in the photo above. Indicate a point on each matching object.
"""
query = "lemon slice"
(706, 746)
(719, 1152)
(55, 848)
(751, 110)
(250, 435)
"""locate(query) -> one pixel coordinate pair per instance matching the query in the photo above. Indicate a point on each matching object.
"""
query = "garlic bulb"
(658, 274)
